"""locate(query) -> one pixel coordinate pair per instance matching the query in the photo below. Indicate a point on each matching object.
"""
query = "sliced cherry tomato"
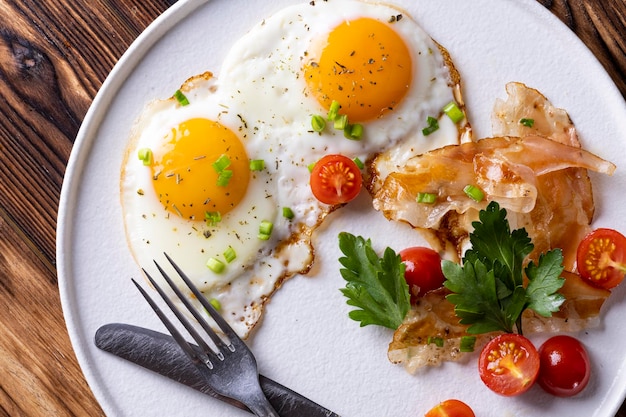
(565, 367)
(336, 179)
(601, 258)
(509, 364)
(422, 270)
(451, 408)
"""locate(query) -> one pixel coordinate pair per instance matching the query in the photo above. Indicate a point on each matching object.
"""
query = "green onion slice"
(216, 265)
(433, 126)
(474, 192)
(437, 341)
(527, 122)
(215, 303)
(333, 111)
(426, 198)
(257, 165)
(318, 123)
(265, 230)
(353, 132)
(224, 177)
(222, 163)
(468, 343)
(181, 98)
(454, 112)
(288, 213)
(212, 217)
(145, 155)
(359, 163)
(230, 254)
(341, 121)
(311, 166)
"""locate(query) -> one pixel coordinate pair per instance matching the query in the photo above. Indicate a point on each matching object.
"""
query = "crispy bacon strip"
(539, 174)
(505, 168)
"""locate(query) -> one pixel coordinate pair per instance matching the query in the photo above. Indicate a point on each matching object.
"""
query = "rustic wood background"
(54, 56)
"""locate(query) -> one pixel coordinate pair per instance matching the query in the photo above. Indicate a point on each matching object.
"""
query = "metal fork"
(230, 368)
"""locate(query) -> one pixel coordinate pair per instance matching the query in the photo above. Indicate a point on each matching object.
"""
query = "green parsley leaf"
(376, 286)
(488, 290)
(544, 281)
(495, 245)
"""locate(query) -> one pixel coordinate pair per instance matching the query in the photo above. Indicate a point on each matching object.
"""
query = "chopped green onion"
(181, 98)
(454, 112)
(215, 303)
(145, 155)
(353, 132)
(265, 230)
(474, 192)
(222, 163)
(216, 265)
(318, 123)
(359, 163)
(333, 111)
(288, 213)
(437, 341)
(230, 254)
(467, 343)
(433, 126)
(257, 165)
(527, 122)
(426, 198)
(224, 177)
(311, 166)
(341, 121)
(212, 217)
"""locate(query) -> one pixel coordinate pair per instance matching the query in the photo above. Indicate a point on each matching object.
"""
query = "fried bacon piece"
(538, 173)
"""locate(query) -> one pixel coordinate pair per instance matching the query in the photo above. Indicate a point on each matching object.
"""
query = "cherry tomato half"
(451, 408)
(601, 258)
(565, 368)
(422, 270)
(336, 179)
(509, 364)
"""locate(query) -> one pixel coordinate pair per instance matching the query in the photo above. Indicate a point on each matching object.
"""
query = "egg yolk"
(364, 65)
(186, 174)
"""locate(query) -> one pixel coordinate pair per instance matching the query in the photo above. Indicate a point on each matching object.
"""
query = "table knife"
(159, 353)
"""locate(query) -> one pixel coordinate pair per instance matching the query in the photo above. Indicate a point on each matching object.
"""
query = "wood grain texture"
(54, 56)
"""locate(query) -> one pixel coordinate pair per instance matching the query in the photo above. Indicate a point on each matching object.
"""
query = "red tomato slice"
(336, 179)
(451, 408)
(601, 258)
(422, 270)
(509, 364)
(565, 367)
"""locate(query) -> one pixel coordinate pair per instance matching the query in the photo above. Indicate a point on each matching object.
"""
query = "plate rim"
(98, 110)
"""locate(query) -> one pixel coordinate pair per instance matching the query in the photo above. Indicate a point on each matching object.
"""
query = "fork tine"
(228, 331)
(183, 320)
(180, 340)
(219, 343)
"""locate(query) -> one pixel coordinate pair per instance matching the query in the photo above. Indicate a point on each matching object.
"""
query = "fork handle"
(260, 406)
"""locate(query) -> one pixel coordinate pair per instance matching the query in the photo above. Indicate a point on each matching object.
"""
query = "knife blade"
(159, 353)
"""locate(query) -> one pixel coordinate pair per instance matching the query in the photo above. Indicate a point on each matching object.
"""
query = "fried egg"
(253, 125)
(177, 201)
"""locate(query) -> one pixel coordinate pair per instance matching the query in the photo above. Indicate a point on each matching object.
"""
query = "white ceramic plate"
(306, 340)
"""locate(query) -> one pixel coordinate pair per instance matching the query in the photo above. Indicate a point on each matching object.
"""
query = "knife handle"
(160, 353)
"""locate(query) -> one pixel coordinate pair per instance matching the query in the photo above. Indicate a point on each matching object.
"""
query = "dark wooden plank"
(40, 374)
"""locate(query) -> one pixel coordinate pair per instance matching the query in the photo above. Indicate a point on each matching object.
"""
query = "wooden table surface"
(54, 56)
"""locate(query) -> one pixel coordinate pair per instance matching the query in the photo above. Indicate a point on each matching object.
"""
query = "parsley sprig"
(376, 286)
(488, 290)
